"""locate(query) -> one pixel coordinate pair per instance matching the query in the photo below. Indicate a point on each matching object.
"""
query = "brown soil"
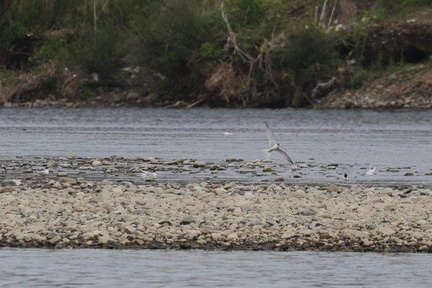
(409, 88)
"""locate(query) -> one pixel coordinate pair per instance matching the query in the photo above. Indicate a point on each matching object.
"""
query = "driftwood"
(178, 104)
(232, 37)
(195, 103)
(323, 86)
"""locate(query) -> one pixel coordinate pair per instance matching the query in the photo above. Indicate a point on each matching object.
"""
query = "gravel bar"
(75, 212)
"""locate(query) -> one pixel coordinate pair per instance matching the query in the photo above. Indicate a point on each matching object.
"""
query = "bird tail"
(267, 151)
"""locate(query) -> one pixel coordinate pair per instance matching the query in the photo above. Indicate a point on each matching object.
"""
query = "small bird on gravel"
(275, 147)
(147, 174)
(45, 171)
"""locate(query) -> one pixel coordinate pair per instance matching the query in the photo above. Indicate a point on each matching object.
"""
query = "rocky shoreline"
(65, 212)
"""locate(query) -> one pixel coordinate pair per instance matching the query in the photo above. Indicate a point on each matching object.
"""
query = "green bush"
(171, 32)
(245, 13)
(51, 48)
(100, 52)
(309, 57)
(310, 53)
(211, 50)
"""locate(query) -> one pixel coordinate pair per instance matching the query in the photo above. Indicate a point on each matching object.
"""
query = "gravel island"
(67, 212)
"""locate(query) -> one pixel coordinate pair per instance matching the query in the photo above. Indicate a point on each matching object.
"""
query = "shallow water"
(352, 139)
(131, 268)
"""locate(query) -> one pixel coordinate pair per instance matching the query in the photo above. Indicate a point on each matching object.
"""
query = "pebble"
(268, 169)
(332, 188)
(230, 160)
(199, 164)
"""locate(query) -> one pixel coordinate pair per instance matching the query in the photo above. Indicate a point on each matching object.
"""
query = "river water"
(399, 143)
(138, 268)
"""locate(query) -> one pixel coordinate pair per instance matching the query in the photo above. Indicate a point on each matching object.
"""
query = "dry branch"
(232, 37)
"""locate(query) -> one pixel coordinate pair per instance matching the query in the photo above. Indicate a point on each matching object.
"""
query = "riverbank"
(63, 212)
(407, 88)
(344, 54)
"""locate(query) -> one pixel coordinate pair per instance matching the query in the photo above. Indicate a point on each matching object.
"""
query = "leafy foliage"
(99, 52)
(171, 31)
(274, 46)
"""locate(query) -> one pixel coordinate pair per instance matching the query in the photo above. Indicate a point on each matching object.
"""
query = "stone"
(198, 164)
(51, 235)
(385, 231)
(8, 189)
(332, 188)
(55, 239)
(268, 169)
(232, 237)
(230, 185)
(192, 234)
(132, 97)
(104, 239)
(308, 212)
(216, 236)
(11, 182)
(230, 160)
(298, 194)
(67, 180)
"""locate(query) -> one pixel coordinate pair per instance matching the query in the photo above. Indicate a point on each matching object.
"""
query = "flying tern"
(275, 147)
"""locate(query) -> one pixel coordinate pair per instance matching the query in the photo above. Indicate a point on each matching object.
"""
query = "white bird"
(44, 171)
(146, 174)
(227, 133)
(371, 170)
(275, 147)
(95, 77)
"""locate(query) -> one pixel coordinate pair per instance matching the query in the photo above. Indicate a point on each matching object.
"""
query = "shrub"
(211, 50)
(51, 48)
(171, 31)
(100, 52)
(309, 56)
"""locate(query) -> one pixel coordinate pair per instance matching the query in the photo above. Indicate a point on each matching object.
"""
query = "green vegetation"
(238, 52)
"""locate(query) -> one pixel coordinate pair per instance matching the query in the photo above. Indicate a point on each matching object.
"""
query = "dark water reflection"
(104, 268)
(353, 138)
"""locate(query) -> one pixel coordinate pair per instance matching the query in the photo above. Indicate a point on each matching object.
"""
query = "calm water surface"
(351, 138)
(107, 268)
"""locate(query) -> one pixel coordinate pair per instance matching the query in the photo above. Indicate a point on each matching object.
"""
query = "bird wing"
(284, 155)
(270, 136)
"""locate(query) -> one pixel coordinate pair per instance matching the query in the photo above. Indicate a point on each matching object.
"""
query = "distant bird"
(341, 176)
(45, 171)
(371, 170)
(227, 133)
(275, 147)
(147, 174)
(95, 77)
